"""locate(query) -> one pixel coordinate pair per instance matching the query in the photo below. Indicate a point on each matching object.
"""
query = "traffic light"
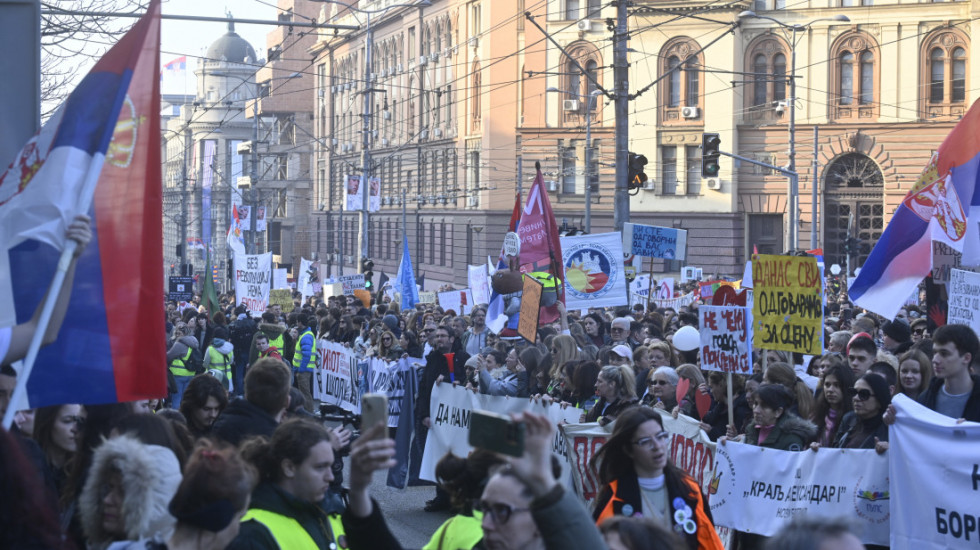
(367, 268)
(710, 155)
(852, 246)
(636, 175)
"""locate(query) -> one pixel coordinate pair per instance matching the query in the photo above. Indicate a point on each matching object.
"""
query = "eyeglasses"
(499, 513)
(662, 439)
(428, 330)
(863, 395)
(658, 383)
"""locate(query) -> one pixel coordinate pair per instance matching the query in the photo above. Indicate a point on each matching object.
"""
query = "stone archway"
(854, 186)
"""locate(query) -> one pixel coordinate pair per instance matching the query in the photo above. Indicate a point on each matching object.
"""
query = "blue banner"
(655, 242)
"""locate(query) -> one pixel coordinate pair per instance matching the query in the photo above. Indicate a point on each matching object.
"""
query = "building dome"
(231, 48)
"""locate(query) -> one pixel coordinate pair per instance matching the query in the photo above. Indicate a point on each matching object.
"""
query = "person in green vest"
(304, 359)
(295, 471)
(221, 357)
(273, 330)
(180, 359)
(463, 479)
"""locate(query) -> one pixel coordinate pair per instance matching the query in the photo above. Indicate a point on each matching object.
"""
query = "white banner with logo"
(935, 479)
(760, 490)
(450, 410)
(335, 379)
(594, 273)
(460, 301)
(253, 280)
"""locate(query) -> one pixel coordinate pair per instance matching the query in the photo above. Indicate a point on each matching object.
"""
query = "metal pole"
(588, 163)
(365, 153)
(520, 175)
(253, 178)
(621, 199)
(814, 182)
(793, 190)
(183, 204)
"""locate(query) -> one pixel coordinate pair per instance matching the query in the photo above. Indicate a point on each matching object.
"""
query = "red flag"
(515, 216)
(452, 366)
(540, 244)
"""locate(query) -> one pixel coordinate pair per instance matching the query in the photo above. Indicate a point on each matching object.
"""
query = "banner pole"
(731, 405)
(649, 283)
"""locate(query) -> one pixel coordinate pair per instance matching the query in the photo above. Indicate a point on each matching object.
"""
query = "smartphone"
(496, 432)
(374, 410)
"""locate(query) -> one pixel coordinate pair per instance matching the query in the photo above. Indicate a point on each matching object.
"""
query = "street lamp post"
(792, 204)
(591, 98)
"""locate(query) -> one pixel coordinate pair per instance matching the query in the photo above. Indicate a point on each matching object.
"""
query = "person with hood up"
(220, 357)
(273, 330)
(126, 495)
(179, 358)
(391, 322)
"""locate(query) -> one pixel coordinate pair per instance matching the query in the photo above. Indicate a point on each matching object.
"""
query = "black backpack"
(241, 335)
(195, 363)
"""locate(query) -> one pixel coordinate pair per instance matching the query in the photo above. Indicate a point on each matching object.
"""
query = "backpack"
(241, 335)
(195, 363)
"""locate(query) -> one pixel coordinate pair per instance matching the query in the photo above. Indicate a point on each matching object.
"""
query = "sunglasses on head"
(863, 395)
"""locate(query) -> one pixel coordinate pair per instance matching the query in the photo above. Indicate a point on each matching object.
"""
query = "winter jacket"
(717, 416)
(604, 415)
(361, 533)
(565, 524)
(513, 384)
(972, 410)
(180, 347)
(273, 331)
(854, 433)
(435, 365)
(150, 477)
(241, 420)
(791, 433)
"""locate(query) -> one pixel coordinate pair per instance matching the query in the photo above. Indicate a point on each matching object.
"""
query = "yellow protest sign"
(788, 303)
(282, 297)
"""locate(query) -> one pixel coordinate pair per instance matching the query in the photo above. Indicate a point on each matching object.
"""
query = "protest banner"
(308, 281)
(280, 278)
(944, 259)
(253, 279)
(934, 479)
(675, 303)
(654, 241)
(353, 196)
(282, 297)
(527, 325)
(460, 301)
(690, 450)
(760, 490)
(332, 289)
(427, 297)
(351, 283)
(726, 339)
(689, 273)
(335, 379)
(450, 411)
(479, 282)
(391, 379)
(964, 298)
(594, 273)
(665, 289)
(788, 312)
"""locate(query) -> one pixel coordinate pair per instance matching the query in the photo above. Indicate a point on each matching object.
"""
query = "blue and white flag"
(405, 280)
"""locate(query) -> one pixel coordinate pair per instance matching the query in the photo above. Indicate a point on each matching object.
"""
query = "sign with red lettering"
(788, 304)
(726, 338)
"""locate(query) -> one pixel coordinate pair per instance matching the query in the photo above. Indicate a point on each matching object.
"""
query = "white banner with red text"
(760, 490)
(335, 379)
(935, 479)
(450, 410)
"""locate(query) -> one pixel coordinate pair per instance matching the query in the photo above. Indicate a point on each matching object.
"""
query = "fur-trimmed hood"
(150, 476)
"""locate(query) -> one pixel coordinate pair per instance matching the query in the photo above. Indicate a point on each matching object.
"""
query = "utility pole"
(814, 182)
(589, 108)
(362, 245)
(183, 202)
(621, 199)
(253, 177)
(793, 205)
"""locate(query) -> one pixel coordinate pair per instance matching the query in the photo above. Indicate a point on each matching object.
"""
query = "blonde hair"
(567, 351)
(667, 350)
(622, 377)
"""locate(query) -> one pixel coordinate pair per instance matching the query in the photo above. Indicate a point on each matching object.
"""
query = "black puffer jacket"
(791, 433)
(241, 420)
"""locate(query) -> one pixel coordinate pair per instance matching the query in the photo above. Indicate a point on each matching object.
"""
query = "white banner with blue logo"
(594, 274)
(760, 490)
(935, 479)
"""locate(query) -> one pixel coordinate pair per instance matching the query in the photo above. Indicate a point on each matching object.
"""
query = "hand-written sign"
(282, 297)
(964, 298)
(253, 279)
(726, 342)
(352, 282)
(654, 241)
(530, 308)
(788, 308)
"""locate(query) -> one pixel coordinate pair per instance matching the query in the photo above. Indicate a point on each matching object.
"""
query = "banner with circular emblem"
(594, 274)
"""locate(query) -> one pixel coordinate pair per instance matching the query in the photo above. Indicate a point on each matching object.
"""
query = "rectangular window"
(572, 9)
(569, 167)
(693, 83)
(668, 167)
(595, 7)
(411, 43)
(444, 246)
(692, 154)
(766, 233)
(449, 107)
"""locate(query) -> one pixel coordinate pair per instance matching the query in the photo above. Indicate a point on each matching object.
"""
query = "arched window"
(680, 84)
(855, 76)
(944, 74)
(581, 73)
(766, 59)
(760, 67)
(937, 66)
(779, 72)
(591, 69)
(476, 97)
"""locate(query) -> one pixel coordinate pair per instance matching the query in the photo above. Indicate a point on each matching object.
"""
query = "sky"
(192, 38)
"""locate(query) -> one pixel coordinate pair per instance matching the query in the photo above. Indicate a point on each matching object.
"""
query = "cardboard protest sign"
(253, 279)
(283, 297)
(964, 298)
(527, 325)
(479, 282)
(335, 379)
(761, 490)
(654, 241)
(351, 283)
(665, 289)
(726, 339)
(788, 307)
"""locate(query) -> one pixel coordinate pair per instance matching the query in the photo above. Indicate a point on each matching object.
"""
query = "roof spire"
(231, 21)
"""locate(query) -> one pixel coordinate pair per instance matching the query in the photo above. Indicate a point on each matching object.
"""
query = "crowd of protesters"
(234, 457)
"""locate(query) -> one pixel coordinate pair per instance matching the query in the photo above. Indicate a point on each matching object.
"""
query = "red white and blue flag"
(941, 206)
(99, 154)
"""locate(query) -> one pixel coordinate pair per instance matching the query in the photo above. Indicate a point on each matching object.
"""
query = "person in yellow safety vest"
(463, 479)
(178, 357)
(221, 356)
(295, 472)
(274, 330)
(305, 359)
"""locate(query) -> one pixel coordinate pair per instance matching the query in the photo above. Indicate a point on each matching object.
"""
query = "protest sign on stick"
(788, 304)
(253, 279)
(654, 241)
(527, 325)
(964, 298)
(726, 339)
(282, 297)
(351, 283)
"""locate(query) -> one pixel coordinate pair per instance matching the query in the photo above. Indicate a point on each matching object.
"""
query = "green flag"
(209, 297)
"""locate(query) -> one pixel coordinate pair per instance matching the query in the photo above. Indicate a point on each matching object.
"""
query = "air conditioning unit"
(690, 112)
(473, 201)
(434, 57)
(374, 134)
(347, 86)
(437, 132)
(569, 105)
(649, 185)
(386, 115)
(584, 25)
(321, 92)
(424, 134)
(384, 142)
(552, 186)
(399, 68)
(713, 183)
(374, 76)
(423, 60)
(334, 141)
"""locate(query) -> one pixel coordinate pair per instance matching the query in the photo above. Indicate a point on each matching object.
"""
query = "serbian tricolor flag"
(941, 206)
(99, 154)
